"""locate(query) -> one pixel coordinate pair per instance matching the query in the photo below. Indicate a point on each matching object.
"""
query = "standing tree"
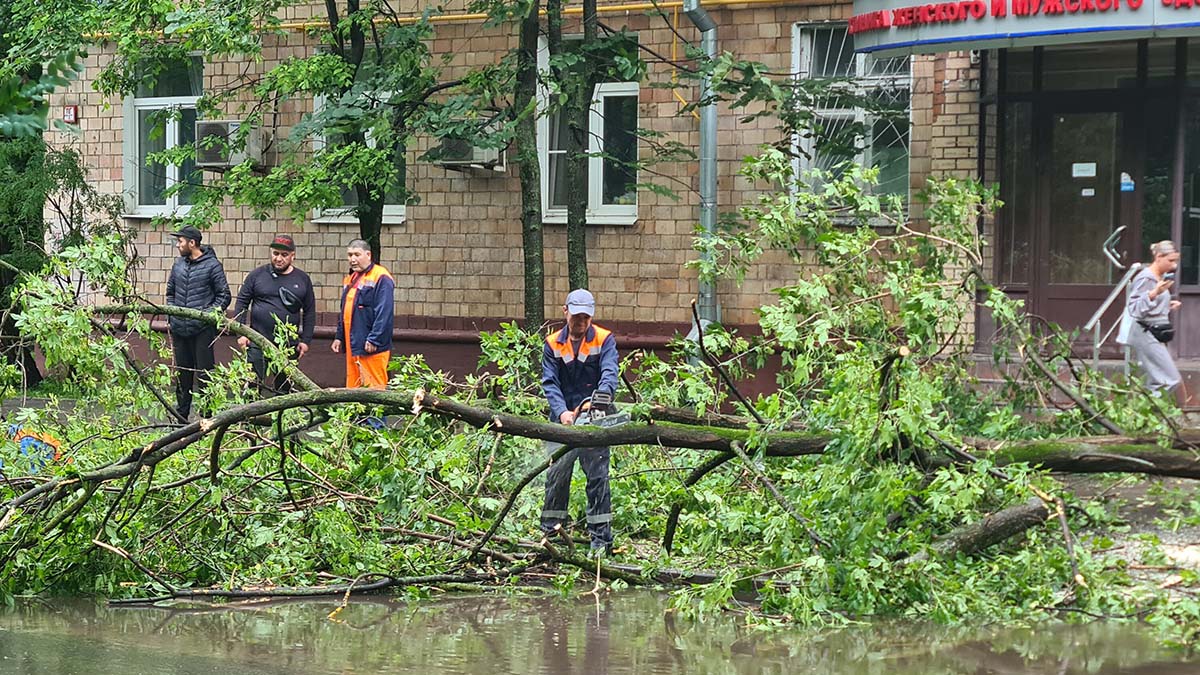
(525, 105)
(25, 83)
(577, 66)
(23, 188)
(373, 83)
(578, 78)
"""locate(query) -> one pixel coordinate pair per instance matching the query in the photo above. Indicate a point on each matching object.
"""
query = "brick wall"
(458, 255)
(952, 81)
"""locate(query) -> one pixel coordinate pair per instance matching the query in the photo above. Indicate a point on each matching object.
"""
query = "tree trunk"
(1105, 454)
(554, 31)
(370, 219)
(525, 104)
(582, 86)
(370, 208)
(576, 113)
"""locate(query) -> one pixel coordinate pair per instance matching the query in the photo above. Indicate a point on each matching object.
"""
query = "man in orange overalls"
(577, 362)
(365, 322)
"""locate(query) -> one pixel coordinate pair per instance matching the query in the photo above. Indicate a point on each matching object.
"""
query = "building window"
(393, 195)
(161, 115)
(612, 149)
(865, 116)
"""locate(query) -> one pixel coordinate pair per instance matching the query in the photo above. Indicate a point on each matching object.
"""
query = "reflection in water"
(491, 635)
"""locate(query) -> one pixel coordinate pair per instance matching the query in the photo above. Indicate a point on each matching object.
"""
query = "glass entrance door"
(1090, 173)
(1083, 191)
(1093, 138)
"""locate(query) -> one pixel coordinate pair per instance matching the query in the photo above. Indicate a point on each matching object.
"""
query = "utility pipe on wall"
(708, 307)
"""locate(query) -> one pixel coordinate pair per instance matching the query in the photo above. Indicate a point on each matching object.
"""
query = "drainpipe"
(707, 302)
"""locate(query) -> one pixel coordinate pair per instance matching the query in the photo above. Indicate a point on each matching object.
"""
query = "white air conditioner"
(459, 154)
(215, 140)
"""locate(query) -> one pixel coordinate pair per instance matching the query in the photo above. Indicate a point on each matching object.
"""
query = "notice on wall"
(1127, 184)
(1087, 192)
(1083, 170)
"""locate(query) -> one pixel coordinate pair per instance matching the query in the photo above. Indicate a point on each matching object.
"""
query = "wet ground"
(629, 632)
(1157, 525)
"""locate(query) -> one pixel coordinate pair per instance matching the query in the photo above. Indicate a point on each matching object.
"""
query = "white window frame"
(133, 105)
(598, 213)
(393, 214)
(802, 46)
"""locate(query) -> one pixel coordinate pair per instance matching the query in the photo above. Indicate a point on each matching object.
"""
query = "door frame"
(1131, 155)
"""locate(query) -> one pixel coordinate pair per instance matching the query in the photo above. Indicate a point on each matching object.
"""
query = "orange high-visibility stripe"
(563, 349)
(348, 314)
(370, 277)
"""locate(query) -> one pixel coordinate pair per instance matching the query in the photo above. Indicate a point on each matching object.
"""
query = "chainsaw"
(597, 413)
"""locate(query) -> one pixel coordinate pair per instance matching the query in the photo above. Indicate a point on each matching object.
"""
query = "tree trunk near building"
(525, 105)
(575, 113)
(351, 46)
(370, 219)
(554, 32)
(582, 85)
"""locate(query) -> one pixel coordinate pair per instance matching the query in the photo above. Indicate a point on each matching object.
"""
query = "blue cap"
(580, 301)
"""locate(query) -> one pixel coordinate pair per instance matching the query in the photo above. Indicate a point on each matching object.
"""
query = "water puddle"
(490, 635)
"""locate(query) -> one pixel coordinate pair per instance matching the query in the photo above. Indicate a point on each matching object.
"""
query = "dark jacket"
(197, 284)
(373, 293)
(568, 378)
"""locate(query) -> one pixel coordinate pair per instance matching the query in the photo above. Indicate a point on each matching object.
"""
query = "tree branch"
(223, 324)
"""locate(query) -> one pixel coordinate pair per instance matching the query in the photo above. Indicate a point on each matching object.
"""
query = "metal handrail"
(1093, 323)
(1137, 267)
(1109, 251)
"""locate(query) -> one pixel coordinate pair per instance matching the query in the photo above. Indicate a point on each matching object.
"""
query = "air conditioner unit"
(215, 140)
(459, 154)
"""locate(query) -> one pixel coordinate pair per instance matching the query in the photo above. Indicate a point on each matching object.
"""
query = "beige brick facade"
(457, 257)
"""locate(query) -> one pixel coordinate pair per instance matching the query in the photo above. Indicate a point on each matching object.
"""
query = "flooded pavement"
(629, 632)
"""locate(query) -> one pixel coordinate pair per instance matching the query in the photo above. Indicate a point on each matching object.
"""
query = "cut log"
(987, 532)
(1100, 455)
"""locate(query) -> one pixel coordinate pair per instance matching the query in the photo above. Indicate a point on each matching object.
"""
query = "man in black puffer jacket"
(197, 281)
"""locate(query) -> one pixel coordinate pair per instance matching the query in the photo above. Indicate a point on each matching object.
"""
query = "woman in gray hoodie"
(1149, 305)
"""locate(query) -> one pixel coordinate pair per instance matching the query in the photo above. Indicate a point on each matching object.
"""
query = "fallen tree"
(1080, 455)
(876, 480)
(1104, 455)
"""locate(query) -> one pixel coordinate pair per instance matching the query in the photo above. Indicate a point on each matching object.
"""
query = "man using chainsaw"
(579, 366)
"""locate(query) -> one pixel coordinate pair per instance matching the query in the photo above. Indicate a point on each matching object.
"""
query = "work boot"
(600, 551)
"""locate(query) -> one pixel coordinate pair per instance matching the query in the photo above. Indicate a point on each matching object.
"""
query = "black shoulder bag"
(1163, 332)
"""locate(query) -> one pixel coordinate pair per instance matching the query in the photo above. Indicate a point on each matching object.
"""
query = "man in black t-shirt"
(273, 294)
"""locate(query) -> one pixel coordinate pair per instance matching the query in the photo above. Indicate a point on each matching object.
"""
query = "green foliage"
(24, 96)
(24, 184)
(875, 344)
(872, 497)
(378, 84)
(873, 337)
(513, 358)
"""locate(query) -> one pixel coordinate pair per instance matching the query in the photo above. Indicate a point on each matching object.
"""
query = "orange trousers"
(367, 371)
